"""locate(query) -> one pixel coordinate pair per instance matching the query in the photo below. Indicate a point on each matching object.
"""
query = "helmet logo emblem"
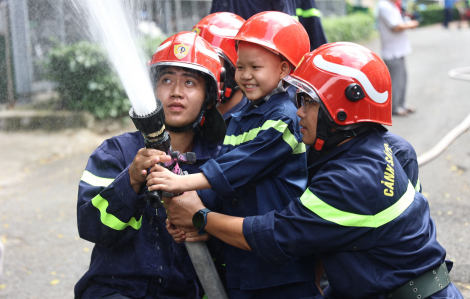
(181, 50)
(197, 30)
(343, 70)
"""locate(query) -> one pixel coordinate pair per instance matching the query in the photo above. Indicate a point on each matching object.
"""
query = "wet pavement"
(40, 171)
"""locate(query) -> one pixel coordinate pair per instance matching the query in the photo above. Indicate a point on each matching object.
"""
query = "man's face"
(258, 70)
(182, 94)
(308, 121)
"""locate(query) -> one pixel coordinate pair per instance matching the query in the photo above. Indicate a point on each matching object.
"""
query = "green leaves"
(353, 27)
(86, 81)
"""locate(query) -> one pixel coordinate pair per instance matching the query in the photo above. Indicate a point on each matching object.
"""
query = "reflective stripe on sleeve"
(278, 125)
(94, 180)
(418, 186)
(312, 12)
(110, 220)
(329, 213)
(295, 18)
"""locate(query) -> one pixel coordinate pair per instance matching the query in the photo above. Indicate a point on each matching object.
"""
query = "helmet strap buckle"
(319, 144)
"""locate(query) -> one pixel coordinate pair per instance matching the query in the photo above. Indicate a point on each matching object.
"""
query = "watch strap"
(204, 212)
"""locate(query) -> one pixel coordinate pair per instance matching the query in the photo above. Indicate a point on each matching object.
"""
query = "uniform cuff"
(124, 190)
(216, 178)
(261, 240)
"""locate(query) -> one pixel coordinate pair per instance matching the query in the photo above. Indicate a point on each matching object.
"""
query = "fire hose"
(462, 74)
(152, 127)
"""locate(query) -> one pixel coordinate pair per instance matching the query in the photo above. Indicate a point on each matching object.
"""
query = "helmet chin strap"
(195, 126)
(230, 86)
(327, 140)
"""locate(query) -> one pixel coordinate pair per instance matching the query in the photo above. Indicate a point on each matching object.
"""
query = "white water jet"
(110, 23)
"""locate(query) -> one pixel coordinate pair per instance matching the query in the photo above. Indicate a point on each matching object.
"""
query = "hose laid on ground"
(462, 74)
(445, 142)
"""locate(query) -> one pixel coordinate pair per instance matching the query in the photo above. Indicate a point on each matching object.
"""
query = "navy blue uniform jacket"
(260, 168)
(133, 250)
(362, 215)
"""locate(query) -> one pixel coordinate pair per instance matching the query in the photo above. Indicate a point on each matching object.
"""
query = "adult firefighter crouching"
(133, 256)
(362, 214)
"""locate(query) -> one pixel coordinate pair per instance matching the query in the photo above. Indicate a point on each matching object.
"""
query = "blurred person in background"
(305, 11)
(448, 12)
(395, 45)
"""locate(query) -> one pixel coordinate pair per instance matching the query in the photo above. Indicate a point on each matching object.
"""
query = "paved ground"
(40, 172)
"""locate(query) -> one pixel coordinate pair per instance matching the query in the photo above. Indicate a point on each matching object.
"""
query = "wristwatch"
(200, 220)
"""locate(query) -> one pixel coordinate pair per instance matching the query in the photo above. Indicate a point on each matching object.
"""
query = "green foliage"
(150, 45)
(353, 27)
(86, 81)
(434, 13)
(350, 9)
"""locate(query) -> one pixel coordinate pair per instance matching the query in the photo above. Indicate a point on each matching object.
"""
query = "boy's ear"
(285, 69)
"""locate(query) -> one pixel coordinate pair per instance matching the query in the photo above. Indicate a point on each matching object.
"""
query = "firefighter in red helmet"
(133, 256)
(362, 214)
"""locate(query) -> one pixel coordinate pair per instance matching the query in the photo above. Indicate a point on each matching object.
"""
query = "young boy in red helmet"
(362, 213)
(217, 29)
(261, 165)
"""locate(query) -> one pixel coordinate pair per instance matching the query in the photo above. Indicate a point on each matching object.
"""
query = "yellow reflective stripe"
(417, 187)
(327, 212)
(110, 220)
(277, 125)
(312, 12)
(94, 180)
(295, 18)
(300, 148)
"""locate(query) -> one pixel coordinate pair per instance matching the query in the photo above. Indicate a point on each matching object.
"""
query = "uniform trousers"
(397, 70)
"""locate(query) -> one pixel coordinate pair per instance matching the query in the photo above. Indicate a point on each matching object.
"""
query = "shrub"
(87, 82)
(433, 13)
(353, 27)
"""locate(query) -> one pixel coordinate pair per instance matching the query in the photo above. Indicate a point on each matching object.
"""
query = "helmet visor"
(303, 90)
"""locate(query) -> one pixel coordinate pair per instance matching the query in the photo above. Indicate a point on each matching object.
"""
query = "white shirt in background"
(394, 44)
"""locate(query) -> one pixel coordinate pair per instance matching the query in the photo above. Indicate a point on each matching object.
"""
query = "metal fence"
(331, 7)
(38, 25)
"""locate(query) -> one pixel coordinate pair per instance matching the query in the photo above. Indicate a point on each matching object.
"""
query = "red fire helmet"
(216, 29)
(277, 32)
(188, 50)
(352, 83)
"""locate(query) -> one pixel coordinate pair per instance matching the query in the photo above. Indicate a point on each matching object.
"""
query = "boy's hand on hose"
(145, 159)
(161, 178)
(189, 234)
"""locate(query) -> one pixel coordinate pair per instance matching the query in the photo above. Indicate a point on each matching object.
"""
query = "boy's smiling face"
(258, 70)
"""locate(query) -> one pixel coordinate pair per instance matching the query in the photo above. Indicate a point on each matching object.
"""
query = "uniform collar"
(335, 152)
(249, 109)
(204, 149)
(236, 108)
(276, 90)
